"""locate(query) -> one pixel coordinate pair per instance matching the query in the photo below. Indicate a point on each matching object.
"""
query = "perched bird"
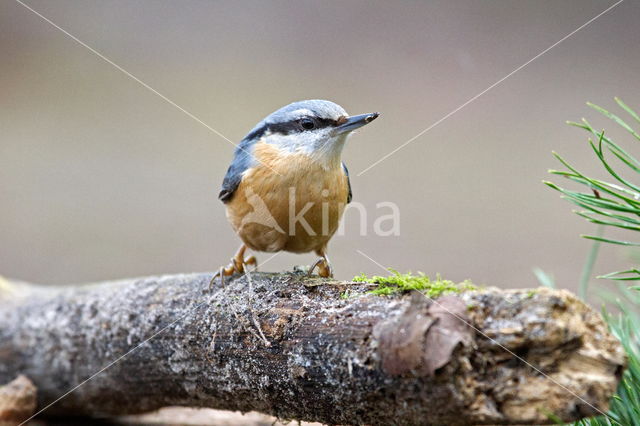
(286, 188)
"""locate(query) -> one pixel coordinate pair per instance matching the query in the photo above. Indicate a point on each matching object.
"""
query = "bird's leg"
(325, 270)
(238, 262)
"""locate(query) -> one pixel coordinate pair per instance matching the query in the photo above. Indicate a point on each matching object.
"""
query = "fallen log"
(305, 348)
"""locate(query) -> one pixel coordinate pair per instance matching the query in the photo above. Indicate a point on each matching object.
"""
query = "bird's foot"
(325, 270)
(222, 272)
(238, 264)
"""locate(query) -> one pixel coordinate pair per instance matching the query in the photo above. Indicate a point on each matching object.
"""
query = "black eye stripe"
(290, 127)
(325, 122)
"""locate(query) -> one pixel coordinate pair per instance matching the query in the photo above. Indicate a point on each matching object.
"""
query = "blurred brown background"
(100, 178)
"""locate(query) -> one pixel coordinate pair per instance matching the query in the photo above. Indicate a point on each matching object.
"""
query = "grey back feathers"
(243, 159)
(298, 117)
(346, 172)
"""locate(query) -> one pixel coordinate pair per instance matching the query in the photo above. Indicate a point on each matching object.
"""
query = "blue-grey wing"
(346, 172)
(242, 160)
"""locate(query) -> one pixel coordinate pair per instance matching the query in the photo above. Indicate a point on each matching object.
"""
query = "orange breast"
(288, 202)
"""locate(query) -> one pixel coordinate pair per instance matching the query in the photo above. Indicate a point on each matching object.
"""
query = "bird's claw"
(238, 264)
(222, 272)
(325, 270)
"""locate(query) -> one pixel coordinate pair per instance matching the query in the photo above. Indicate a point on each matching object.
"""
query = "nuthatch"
(286, 188)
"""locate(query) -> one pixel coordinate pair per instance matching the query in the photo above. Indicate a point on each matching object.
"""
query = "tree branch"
(292, 347)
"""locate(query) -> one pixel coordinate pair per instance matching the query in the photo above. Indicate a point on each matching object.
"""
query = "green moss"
(397, 283)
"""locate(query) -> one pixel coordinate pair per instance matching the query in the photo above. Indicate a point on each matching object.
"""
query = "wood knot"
(423, 338)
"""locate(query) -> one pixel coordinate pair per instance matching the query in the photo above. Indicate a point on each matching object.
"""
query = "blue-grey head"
(316, 128)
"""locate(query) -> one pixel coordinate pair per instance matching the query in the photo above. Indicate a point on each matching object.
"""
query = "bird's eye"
(307, 123)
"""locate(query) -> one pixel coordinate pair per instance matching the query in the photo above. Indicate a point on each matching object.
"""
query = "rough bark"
(17, 401)
(292, 347)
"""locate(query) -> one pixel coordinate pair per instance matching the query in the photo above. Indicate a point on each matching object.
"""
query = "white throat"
(321, 145)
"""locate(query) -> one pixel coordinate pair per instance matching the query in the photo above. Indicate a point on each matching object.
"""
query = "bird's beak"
(355, 122)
